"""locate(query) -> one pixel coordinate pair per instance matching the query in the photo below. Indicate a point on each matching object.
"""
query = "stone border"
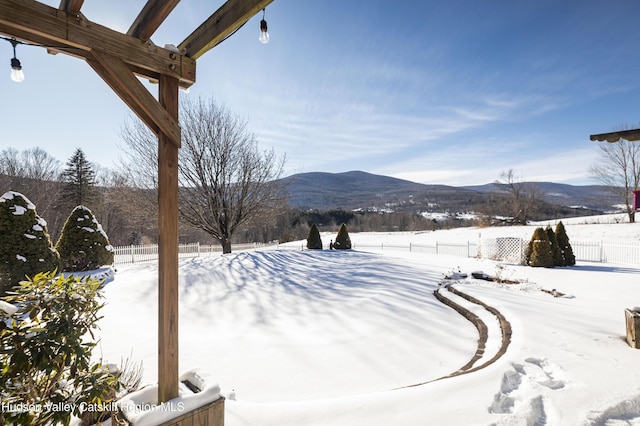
(505, 328)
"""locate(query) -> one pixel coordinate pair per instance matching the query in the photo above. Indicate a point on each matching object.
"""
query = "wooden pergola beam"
(630, 135)
(71, 6)
(116, 74)
(117, 58)
(224, 21)
(61, 31)
(151, 17)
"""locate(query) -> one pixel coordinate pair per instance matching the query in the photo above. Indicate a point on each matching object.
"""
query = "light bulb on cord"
(17, 74)
(264, 35)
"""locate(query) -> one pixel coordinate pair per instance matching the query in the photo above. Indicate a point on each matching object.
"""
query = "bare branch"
(225, 181)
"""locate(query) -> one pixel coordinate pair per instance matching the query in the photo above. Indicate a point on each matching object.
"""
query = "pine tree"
(565, 246)
(25, 245)
(314, 242)
(83, 245)
(556, 253)
(343, 242)
(79, 180)
(540, 250)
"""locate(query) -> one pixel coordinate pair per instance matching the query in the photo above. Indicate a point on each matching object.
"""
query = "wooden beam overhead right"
(151, 17)
(630, 135)
(224, 21)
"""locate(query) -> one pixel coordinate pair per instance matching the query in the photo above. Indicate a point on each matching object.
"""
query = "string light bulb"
(17, 74)
(264, 35)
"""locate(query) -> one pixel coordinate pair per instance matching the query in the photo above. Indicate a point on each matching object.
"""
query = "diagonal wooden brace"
(118, 76)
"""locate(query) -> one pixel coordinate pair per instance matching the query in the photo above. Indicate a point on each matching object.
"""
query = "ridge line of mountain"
(360, 190)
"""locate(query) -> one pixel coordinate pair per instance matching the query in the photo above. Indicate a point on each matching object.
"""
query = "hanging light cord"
(15, 42)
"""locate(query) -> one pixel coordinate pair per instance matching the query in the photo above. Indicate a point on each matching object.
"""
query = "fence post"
(198, 248)
(437, 248)
(133, 259)
(409, 247)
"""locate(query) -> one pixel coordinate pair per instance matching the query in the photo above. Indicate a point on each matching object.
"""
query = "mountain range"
(361, 190)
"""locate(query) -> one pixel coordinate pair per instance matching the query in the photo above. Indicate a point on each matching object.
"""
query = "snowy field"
(341, 338)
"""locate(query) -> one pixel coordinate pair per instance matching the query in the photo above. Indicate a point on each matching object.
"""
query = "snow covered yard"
(326, 337)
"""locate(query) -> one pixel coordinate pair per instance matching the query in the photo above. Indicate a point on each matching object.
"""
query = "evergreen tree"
(539, 251)
(83, 245)
(343, 242)
(78, 181)
(314, 242)
(25, 245)
(556, 253)
(565, 246)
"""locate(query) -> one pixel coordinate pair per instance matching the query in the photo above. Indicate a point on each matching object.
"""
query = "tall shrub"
(556, 253)
(565, 247)
(540, 250)
(343, 241)
(83, 245)
(45, 358)
(314, 242)
(25, 245)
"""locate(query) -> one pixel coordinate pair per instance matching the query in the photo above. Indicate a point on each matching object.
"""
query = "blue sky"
(434, 92)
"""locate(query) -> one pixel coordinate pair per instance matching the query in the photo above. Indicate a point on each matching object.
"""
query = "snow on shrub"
(83, 245)
(25, 246)
(45, 356)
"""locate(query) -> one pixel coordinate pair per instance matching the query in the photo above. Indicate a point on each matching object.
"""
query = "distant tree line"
(56, 190)
(129, 217)
(128, 213)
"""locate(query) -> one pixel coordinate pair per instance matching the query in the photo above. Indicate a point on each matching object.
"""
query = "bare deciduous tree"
(36, 174)
(225, 181)
(619, 169)
(34, 163)
(521, 199)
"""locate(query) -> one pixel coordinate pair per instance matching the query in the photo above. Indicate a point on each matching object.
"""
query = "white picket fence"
(508, 249)
(134, 254)
(512, 249)
(607, 251)
(467, 249)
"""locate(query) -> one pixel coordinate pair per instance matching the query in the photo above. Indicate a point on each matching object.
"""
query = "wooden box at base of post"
(632, 318)
(211, 414)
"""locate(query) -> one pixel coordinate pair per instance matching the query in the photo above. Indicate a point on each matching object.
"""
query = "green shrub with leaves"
(83, 245)
(343, 241)
(314, 242)
(25, 245)
(539, 250)
(556, 253)
(565, 247)
(45, 361)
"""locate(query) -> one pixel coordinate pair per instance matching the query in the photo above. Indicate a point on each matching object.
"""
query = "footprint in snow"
(522, 393)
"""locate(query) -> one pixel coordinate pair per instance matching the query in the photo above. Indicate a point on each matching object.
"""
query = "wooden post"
(168, 248)
(632, 318)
